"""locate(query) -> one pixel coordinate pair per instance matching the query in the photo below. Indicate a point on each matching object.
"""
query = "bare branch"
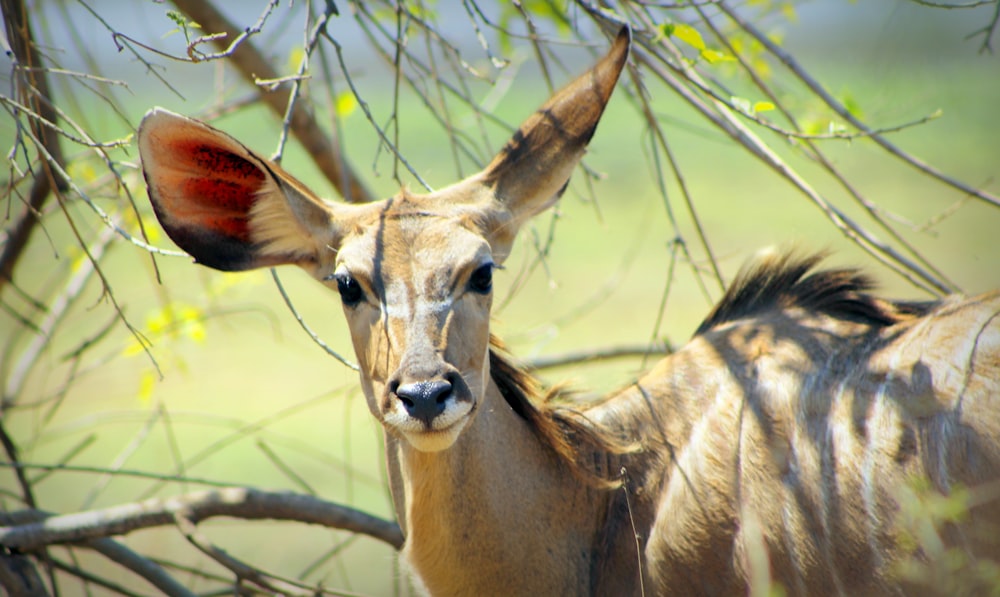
(109, 548)
(19, 578)
(235, 502)
(33, 86)
(814, 86)
(242, 571)
(600, 354)
(988, 31)
(254, 66)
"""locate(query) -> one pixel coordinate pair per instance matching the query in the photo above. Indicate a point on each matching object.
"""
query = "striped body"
(791, 445)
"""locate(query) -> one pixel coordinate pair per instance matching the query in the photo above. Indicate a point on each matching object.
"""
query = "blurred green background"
(247, 398)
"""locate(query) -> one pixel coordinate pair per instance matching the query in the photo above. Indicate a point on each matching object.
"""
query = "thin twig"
(726, 122)
(599, 354)
(792, 64)
(315, 337)
(243, 572)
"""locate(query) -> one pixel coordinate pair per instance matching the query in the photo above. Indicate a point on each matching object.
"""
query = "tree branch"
(19, 577)
(33, 85)
(255, 67)
(599, 354)
(109, 548)
(235, 502)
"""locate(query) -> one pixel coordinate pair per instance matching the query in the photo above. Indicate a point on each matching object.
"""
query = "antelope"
(778, 443)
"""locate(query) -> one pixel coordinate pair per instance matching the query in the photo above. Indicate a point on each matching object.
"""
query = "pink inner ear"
(204, 186)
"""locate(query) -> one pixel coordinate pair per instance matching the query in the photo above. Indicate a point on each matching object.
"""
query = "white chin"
(435, 441)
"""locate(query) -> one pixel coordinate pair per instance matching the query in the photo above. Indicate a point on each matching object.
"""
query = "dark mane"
(786, 281)
(574, 440)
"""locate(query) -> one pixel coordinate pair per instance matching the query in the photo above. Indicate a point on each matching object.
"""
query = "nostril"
(424, 400)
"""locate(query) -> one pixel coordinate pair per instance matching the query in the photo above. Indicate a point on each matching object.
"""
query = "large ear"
(228, 207)
(532, 170)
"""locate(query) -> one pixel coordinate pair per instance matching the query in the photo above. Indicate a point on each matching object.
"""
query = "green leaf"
(713, 56)
(295, 58)
(851, 105)
(689, 35)
(788, 11)
(346, 104)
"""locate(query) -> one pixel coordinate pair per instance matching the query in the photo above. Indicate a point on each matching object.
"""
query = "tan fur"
(782, 446)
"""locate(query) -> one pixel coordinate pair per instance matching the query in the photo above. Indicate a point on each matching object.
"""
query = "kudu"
(785, 432)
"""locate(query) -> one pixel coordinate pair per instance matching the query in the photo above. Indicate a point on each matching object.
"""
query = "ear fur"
(532, 170)
(226, 206)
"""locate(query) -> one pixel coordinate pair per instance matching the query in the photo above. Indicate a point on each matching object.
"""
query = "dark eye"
(481, 280)
(349, 289)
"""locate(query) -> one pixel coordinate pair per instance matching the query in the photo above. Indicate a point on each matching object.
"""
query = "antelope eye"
(349, 289)
(481, 280)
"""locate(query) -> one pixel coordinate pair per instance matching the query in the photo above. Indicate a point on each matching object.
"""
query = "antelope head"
(414, 271)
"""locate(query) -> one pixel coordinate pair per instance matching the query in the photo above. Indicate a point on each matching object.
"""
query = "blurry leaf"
(295, 58)
(664, 30)
(346, 104)
(762, 106)
(788, 11)
(82, 171)
(424, 13)
(153, 234)
(79, 259)
(147, 383)
(158, 321)
(506, 46)
(133, 348)
(713, 56)
(689, 35)
(192, 326)
(812, 125)
(851, 105)
(761, 67)
(544, 10)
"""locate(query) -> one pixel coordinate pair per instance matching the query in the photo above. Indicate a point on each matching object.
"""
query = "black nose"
(424, 400)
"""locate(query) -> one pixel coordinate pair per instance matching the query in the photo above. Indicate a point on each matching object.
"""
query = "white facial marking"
(445, 428)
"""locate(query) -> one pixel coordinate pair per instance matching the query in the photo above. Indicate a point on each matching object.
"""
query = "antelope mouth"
(430, 434)
(436, 435)
(436, 440)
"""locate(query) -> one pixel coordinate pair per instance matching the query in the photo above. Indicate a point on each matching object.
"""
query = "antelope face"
(414, 272)
(416, 288)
